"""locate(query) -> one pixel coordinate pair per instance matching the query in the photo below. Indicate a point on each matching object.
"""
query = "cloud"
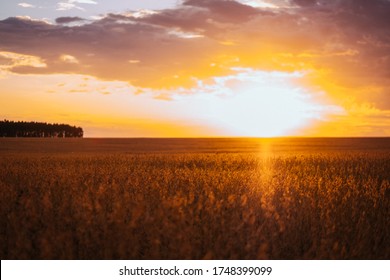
(226, 10)
(65, 20)
(343, 45)
(12, 60)
(259, 4)
(73, 4)
(69, 59)
(306, 3)
(26, 5)
(65, 6)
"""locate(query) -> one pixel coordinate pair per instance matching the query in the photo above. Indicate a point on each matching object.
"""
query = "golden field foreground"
(195, 198)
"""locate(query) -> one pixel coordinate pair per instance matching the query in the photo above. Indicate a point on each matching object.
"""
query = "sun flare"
(262, 104)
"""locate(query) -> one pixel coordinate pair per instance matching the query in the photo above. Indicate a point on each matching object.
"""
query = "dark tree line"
(38, 129)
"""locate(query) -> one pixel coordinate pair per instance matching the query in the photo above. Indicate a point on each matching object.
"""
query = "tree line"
(38, 129)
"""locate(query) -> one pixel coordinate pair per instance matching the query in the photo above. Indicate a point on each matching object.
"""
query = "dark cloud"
(64, 20)
(188, 19)
(23, 23)
(107, 50)
(211, 18)
(226, 10)
(348, 40)
(305, 3)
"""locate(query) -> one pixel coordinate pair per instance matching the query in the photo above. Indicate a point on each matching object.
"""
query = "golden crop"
(202, 205)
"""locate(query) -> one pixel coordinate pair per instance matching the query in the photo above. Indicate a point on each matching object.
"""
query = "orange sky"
(199, 68)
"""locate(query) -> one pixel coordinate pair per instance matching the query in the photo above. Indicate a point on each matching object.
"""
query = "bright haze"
(198, 68)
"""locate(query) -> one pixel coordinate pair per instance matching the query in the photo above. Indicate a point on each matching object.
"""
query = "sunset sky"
(196, 68)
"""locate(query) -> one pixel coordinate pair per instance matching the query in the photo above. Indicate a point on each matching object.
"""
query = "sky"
(198, 68)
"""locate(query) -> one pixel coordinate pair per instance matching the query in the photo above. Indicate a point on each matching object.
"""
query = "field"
(195, 198)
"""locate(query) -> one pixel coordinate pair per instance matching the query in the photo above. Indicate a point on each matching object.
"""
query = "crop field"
(195, 198)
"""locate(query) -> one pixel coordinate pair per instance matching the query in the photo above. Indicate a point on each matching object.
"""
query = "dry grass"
(195, 205)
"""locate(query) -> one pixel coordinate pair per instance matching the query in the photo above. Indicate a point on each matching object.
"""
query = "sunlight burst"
(262, 104)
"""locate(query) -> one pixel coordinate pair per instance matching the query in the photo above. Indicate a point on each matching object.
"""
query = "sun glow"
(260, 104)
(277, 112)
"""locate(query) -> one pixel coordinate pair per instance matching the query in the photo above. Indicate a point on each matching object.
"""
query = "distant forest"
(38, 129)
